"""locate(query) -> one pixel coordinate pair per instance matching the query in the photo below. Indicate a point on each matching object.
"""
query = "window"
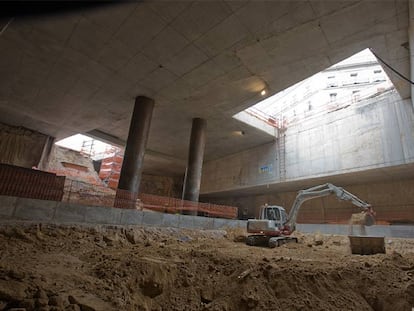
(273, 214)
(378, 76)
(331, 82)
(355, 95)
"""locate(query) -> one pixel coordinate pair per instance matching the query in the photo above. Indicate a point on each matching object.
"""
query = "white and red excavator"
(274, 226)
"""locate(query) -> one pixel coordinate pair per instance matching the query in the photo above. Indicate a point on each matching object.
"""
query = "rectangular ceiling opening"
(352, 80)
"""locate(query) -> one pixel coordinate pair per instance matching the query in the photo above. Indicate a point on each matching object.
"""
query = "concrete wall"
(20, 209)
(372, 134)
(21, 147)
(375, 133)
(15, 210)
(247, 168)
(382, 231)
(393, 202)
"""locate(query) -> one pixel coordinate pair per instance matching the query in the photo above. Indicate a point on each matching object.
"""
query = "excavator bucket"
(366, 245)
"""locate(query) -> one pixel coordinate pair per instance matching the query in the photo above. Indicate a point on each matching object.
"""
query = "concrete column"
(135, 147)
(195, 160)
(47, 151)
(411, 44)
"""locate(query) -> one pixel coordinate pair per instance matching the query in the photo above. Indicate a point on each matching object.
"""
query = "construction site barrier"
(86, 194)
(28, 183)
(178, 206)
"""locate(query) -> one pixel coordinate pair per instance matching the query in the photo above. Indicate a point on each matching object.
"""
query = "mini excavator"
(274, 226)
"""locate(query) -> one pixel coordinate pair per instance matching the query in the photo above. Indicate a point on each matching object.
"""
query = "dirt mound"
(73, 268)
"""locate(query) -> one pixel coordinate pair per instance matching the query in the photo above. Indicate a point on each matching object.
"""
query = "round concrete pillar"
(135, 147)
(195, 160)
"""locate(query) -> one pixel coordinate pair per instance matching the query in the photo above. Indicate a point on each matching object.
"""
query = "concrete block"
(220, 223)
(232, 223)
(153, 219)
(402, 231)
(242, 224)
(131, 217)
(377, 230)
(36, 210)
(7, 205)
(186, 221)
(69, 213)
(171, 220)
(203, 222)
(102, 215)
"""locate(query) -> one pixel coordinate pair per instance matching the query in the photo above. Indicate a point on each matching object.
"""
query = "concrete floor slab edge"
(32, 209)
(22, 209)
(171, 220)
(131, 217)
(186, 222)
(69, 213)
(395, 231)
(153, 219)
(8, 206)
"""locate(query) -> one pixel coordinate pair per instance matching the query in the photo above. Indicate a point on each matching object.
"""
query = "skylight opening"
(89, 146)
(352, 80)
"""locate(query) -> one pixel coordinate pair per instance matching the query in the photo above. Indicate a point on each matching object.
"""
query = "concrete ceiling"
(80, 71)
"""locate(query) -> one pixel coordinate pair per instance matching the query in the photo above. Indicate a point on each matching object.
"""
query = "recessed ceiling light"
(263, 92)
(238, 133)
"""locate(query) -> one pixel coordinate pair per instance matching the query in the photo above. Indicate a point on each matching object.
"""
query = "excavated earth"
(47, 267)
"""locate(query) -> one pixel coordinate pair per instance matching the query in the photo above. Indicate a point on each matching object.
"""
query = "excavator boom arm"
(317, 192)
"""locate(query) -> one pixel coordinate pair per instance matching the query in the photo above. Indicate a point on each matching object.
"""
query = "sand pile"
(73, 268)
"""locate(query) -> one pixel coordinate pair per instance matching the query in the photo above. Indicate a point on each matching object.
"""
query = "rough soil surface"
(74, 268)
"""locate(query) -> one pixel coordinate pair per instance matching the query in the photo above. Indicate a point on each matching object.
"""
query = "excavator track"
(257, 240)
(268, 241)
(278, 241)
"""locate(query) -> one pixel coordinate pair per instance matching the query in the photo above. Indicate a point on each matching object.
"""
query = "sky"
(75, 142)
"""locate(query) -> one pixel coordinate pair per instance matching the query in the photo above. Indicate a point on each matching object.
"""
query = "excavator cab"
(267, 230)
(271, 219)
(273, 212)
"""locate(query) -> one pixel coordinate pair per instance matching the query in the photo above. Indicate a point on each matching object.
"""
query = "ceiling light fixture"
(238, 133)
(263, 92)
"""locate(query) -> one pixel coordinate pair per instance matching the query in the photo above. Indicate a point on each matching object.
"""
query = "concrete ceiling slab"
(165, 45)
(186, 60)
(223, 36)
(146, 21)
(193, 22)
(114, 55)
(337, 25)
(79, 71)
(87, 38)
